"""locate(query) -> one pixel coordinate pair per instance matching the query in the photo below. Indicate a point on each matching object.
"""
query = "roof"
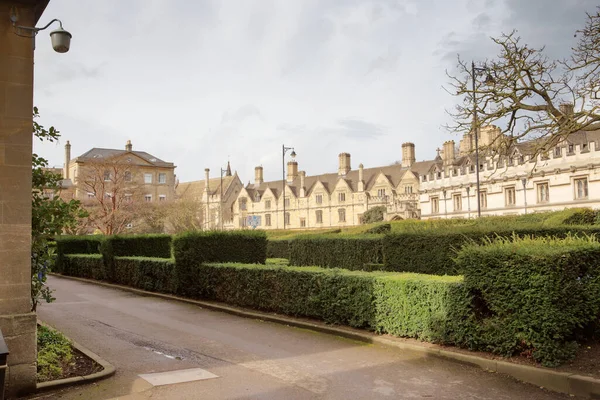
(100, 153)
(195, 189)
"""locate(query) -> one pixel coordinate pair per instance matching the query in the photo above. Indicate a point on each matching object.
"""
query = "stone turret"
(344, 164)
(408, 154)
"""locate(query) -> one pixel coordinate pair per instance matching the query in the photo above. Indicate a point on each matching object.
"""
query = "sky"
(198, 83)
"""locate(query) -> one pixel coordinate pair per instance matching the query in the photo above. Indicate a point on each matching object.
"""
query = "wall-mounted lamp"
(61, 39)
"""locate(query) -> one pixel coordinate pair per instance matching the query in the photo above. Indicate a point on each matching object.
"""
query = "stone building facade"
(518, 182)
(330, 200)
(215, 197)
(17, 322)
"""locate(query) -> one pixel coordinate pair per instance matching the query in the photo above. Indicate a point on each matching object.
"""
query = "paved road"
(253, 359)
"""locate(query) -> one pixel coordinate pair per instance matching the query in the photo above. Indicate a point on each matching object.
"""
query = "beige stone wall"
(16, 104)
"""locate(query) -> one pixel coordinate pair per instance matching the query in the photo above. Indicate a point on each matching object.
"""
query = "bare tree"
(184, 215)
(532, 97)
(114, 197)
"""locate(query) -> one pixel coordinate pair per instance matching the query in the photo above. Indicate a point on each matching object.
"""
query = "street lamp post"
(488, 80)
(293, 154)
(524, 182)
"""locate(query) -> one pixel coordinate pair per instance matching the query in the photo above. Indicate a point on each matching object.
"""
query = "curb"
(107, 371)
(562, 382)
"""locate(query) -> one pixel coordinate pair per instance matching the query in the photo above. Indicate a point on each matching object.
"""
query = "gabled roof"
(100, 153)
(195, 189)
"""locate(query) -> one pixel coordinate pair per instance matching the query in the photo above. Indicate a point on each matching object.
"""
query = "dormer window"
(570, 149)
(584, 146)
(257, 197)
(557, 152)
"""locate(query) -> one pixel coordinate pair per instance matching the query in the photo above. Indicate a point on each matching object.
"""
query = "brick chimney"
(206, 178)
(344, 163)
(292, 170)
(67, 160)
(448, 154)
(361, 178)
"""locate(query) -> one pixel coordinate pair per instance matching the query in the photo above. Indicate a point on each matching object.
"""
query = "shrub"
(151, 245)
(374, 214)
(581, 216)
(195, 248)
(153, 274)
(278, 249)
(530, 296)
(89, 266)
(432, 252)
(347, 252)
(379, 229)
(53, 355)
(74, 245)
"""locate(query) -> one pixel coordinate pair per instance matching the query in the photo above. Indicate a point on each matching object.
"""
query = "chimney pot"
(344, 163)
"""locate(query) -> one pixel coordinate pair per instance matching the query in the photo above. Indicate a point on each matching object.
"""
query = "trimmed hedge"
(89, 266)
(433, 252)
(529, 296)
(78, 244)
(155, 245)
(278, 249)
(153, 274)
(349, 253)
(195, 248)
(401, 304)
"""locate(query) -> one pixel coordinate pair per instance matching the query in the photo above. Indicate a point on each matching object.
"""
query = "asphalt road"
(252, 359)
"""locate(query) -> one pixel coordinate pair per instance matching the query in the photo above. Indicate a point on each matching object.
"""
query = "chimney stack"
(302, 188)
(67, 160)
(448, 154)
(258, 176)
(206, 177)
(408, 154)
(344, 163)
(292, 170)
(361, 180)
(128, 146)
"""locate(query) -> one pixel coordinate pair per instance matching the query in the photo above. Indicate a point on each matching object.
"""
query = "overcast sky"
(200, 82)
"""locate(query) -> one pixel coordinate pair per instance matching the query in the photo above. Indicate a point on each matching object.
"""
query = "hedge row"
(278, 249)
(529, 296)
(348, 253)
(433, 253)
(153, 245)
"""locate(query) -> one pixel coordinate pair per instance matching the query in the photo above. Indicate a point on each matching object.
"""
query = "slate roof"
(100, 153)
(195, 189)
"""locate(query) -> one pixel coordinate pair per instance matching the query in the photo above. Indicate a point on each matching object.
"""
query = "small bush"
(278, 249)
(347, 252)
(530, 296)
(374, 214)
(379, 229)
(581, 216)
(54, 354)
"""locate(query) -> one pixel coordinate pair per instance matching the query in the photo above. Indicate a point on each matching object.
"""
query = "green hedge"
(195, 248)
(153, 274)
(349, 253)
(401, 304)
(432, 252)
(152, 245)
(88, 266)
(74, 245)
(278, 249)
(529, 296)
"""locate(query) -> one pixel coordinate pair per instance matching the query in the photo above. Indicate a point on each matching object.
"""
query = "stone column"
(17, 323)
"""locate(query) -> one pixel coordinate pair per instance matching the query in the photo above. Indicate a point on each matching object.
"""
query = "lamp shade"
(61, 40)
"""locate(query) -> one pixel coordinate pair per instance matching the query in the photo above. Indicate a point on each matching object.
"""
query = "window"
(408, 189)
(302, 222)
(127, 176)
(243, 204)
(483, 199)
(268, 205)
(148, 198)
(435, 205)
(106, 176)
(267, 219)
(162, 197)
(287, 218)
(162, 177)
(543, 196)
(457, 200)
(584, 147)
(438, 175)
(509, 196)
(256, 197)
(455, 172)
(342, 215)
(570, 149)
(287, 201)
(471, 168)
(147, 178)
(581, 188)
(319, 199)
(90, 195)
(341, 197)
(381, 192)
(557, 152)
(319, 216)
